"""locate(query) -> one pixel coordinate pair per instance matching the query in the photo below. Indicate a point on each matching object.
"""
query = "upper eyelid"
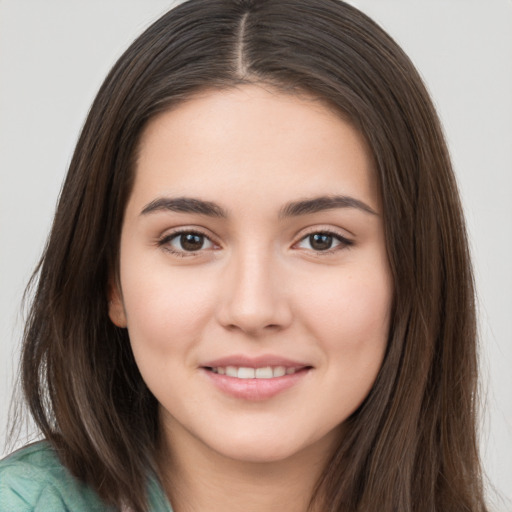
(333, 234)
(164, 242)
(324, 229)
(169, 235)
(345, 238)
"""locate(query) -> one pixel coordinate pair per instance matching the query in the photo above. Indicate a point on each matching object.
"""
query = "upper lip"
(254, 362)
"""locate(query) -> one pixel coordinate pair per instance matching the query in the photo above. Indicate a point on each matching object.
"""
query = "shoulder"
(33, 479)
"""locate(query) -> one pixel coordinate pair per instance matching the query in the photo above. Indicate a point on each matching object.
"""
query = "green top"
(32, 479)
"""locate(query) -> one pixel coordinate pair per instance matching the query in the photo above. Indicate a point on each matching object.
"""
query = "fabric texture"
(32, 479)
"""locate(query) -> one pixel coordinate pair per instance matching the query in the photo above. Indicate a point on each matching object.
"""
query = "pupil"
(191, 242)
(320, 241)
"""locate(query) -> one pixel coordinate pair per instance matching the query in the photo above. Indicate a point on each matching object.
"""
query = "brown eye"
(324, 241)
(191, 241)
(187, 241)
(320, 241)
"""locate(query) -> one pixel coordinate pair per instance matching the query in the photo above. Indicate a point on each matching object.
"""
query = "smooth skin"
(251, 276)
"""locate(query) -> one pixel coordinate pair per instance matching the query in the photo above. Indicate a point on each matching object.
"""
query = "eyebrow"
(185, 205)
(293, 209)
(318, 204)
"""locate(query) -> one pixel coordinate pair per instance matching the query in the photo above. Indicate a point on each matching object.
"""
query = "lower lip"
(255, 389)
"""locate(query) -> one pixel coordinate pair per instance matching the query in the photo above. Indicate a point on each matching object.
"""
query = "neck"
(198, 479)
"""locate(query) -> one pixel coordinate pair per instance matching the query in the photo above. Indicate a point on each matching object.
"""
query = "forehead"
(249, 138)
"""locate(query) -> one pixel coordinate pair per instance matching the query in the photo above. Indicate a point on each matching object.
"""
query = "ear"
(116, 310)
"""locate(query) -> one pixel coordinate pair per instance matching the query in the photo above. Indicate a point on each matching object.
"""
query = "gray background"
(54, 55)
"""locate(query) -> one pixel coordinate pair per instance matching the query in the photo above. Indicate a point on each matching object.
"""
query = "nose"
(253, 297)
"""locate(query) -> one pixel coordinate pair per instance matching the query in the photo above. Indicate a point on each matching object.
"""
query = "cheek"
(165, 310)
(349, 318)
(350, 314)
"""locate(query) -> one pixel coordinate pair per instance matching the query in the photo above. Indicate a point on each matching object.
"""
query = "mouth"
(262, 372)
(255, 379)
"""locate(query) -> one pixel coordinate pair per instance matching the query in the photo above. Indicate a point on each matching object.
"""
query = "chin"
(257, 454)
(272, 448)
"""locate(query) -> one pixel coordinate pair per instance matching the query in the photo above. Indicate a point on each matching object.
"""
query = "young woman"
(257, 292)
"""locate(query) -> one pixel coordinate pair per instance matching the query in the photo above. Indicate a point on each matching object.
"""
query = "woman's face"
(254, 280)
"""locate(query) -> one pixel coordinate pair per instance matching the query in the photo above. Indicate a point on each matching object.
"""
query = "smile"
(244, 372)
(255, 379)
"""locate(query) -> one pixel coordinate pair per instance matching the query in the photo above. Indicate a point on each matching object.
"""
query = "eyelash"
(164, 242)
(344, 243)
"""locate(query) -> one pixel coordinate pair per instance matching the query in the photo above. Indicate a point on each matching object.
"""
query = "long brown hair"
(412, 445)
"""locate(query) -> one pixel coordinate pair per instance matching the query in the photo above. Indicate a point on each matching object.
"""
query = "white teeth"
(279, 371)
(244, 372)
(264, 373)
(231, 371)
